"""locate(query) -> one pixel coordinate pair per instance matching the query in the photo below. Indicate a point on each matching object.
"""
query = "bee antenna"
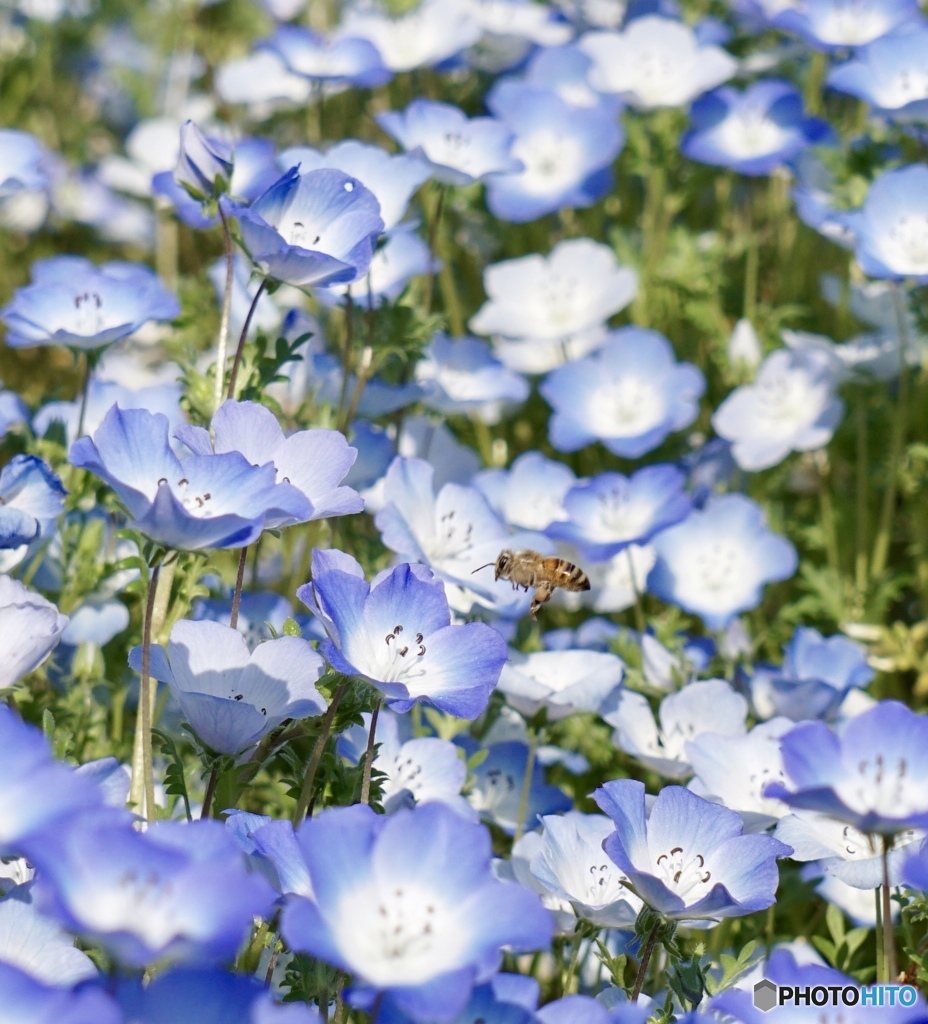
(479, 567)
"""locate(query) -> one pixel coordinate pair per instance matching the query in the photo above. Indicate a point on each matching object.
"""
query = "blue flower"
(832, 25)
(258, 611)
(655, 62)
(204, 165)
(31, 499)
(178, 892)
(566, 152)
(397, 633)
(791, 406)
(461, 375)
(25, 163)
(313, 462)
(37, 792)
(30, 627)
(891, 229)
(611, 511)
(191, 995)
(344, 59)
(73, 302)
(689, 860)
(560, 681)
(458, 149)
(530, 494)
(816, 675)
(716, 563)
(711, 706)
(630, 395)
(205, 501)
(888, 73)
(26, 1000)
(391, 177)
(751, 132)
(542, 311)
(408, 905)
(504, 999)
(233, 697)
(317, 228)
(498, 783)
(873, 774)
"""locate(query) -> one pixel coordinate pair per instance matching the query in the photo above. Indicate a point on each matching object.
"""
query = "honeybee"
(545, 573)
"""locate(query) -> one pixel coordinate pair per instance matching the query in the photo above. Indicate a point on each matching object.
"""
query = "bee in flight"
(545, 573)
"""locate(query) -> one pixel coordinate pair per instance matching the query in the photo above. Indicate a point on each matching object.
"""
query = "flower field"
(463, 512)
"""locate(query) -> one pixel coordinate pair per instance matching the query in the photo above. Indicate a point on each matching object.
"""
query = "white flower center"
(752, 133)
(633, 405)
(620, 517)
(453, 538)
(89, 319)
(881, 784)
(684, 873)
(196, 504)
(718, 566)
(603, 886)
(907, 239)
(304, 235)
(853, 23)
(551, 160)
(402, 657)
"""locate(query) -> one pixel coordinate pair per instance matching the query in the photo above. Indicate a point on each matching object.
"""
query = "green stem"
(433, 239)
(828, 524)
(890, 968)
(369, 755)
(896, 450)
(223, 342)
(210, 790)
(880, 940)
(640, 621)
(239, 584)
(144, 723)
(534, 736)
(237, 362)
(299, 812)
(645, 960)
(568, 981)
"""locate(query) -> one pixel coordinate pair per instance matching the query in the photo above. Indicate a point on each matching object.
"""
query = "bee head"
(503, 563)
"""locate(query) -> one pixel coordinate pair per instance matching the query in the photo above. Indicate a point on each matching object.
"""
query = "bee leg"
(541, 596)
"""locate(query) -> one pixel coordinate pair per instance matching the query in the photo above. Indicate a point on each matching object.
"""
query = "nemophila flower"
(689, 859)
(37, 944)
(413, 769)
(313, 462)
(577, 286)
(888, 73)
(397, 633)
(594, 634)
(392, 177)
(504, 999)
(317, 228)
(700, 707)
(816, 675)
(616, 582)
(734, 770)
(26, 1000)
(270, 846)
(204, 164)
(530, 494)
(870, 774)
(835, 24)
(424, 36)
(461, 375)
(178, 892)
(561, 682)
(76, 303)
(581, 1009)
(655, 62)
(566, 152)
(262, 83)
(342, 60)
(28, 171)
(407, 904)
(204, 501)
(260, 611)
(716, 563)
(751, 132)
(629, 395)
(891, 229)
(36, 791)
(30, 627)
(611, 511)
(498, 782)
(190, 995)
(31, 499)
(568, 860)
(791, 406)
(565, 70)
(232, 696)
(459, 150)
(455, 531)
(844, 852)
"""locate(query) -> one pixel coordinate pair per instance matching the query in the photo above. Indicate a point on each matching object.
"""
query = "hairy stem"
(299, 812)
(239, 583)
(223, 342)
(369, 755)
(237, 362)
(645, 960)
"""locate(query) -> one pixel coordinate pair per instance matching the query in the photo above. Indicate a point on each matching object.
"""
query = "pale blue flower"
(30, 627)
(630, 395)
(204, 164)
(716, 563)
(655, 62)
(791, 406)
(458, 150)
(343, 60)
(530, 494)
(31, 499)
(889, 73)
(835, 24)
(561, 682)
(689, 859)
